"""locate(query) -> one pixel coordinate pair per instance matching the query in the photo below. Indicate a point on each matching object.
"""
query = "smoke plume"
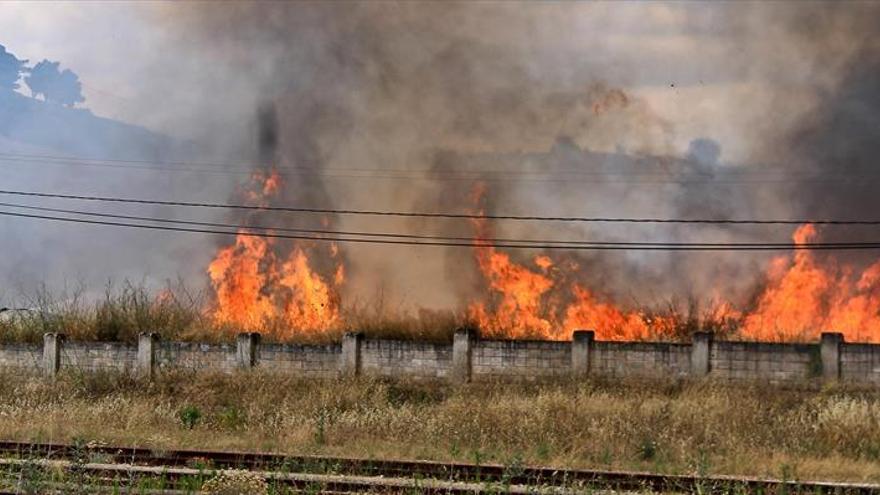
(731, 110)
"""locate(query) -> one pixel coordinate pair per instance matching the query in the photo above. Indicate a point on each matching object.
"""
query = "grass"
(672, 427)
(178, 313)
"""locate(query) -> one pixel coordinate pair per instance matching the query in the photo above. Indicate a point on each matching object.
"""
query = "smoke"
(453, 92)
(621, 109)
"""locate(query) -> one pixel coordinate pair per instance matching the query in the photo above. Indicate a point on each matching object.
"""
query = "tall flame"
(262, 283)
(804, 297)
(525, 302)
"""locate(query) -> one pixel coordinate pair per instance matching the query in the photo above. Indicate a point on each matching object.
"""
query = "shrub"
(190, 416)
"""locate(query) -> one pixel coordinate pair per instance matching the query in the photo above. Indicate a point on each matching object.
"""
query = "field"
(702, 428)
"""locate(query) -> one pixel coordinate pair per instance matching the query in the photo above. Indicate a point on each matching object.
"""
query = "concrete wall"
(194, 356)
(320, 361)
(400, 358)
(640, 359)
(27, 357)
(765, 361)
(495, 359)
(860, 363)
(98, 356)
(468, 358)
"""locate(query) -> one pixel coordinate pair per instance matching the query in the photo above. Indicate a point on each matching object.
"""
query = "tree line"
(45, 79)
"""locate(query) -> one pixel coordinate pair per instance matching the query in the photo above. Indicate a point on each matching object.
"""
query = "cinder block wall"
(641, 359)
(494, 359)
(468, 358)
(98, 356)
(765, 361)
(195, 356)
(860, 362)
(25, 357)
(401, 358)
(319, 361)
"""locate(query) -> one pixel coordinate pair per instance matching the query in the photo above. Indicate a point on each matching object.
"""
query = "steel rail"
(414, 469)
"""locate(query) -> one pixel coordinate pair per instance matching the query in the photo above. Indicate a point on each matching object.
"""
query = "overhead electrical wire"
(288, 229)
(481, 240)
(472, 216)
(554, 176)
(476, 242)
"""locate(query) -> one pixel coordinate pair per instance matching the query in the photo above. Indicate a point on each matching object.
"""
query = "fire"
(805, 297)
(293, 288)
(519, 310)
(262, 283)
(802, 296)
(525, 302)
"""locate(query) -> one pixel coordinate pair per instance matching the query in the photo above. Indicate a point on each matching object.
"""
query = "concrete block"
(247, 346)
(351, 353)
(52, 343)
(462, 348)
(701, 348)
(581, 347)
(146, 354)
(829, 351)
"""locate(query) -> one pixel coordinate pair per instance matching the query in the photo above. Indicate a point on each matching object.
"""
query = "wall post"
(146, 354)
(701, 350)
(462, 345)
(351, 353)
(829, 350)
(52, 343)
(581, 347)
(246, 349)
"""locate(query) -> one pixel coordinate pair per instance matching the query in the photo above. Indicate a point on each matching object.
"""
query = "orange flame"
(804, 297)
(527, 303)
(262, 283)
(257, 285)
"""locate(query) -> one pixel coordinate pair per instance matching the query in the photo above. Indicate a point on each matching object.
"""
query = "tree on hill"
(11, 69)
(56, 86)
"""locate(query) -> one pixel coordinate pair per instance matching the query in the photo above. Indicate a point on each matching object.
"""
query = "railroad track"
(351, 475)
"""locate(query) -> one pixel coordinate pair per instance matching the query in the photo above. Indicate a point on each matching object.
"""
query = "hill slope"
(28, 123)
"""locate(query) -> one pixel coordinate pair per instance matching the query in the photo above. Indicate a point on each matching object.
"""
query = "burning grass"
(179, 313)
(660, 426)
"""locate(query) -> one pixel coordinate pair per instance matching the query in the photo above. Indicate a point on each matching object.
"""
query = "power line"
(489, 241)
(579, 247)
(471, 216)
(718, 177)
(295, 230)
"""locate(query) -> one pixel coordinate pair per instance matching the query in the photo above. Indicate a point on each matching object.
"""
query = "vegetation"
(236, 483)
(679, 427)
(11, 69)
(59, 86)
(179, 313)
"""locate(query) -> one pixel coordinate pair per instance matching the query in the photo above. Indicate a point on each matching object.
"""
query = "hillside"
(27, 124)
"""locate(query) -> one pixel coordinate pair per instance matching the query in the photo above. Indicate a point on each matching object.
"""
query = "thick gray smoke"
(532, 101)
(725, 110)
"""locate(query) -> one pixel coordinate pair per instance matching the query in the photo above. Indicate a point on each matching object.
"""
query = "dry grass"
(123, 313)
(179, 313)
(661, 426)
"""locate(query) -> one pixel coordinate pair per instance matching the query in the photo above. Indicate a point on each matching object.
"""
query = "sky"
(667, 53)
